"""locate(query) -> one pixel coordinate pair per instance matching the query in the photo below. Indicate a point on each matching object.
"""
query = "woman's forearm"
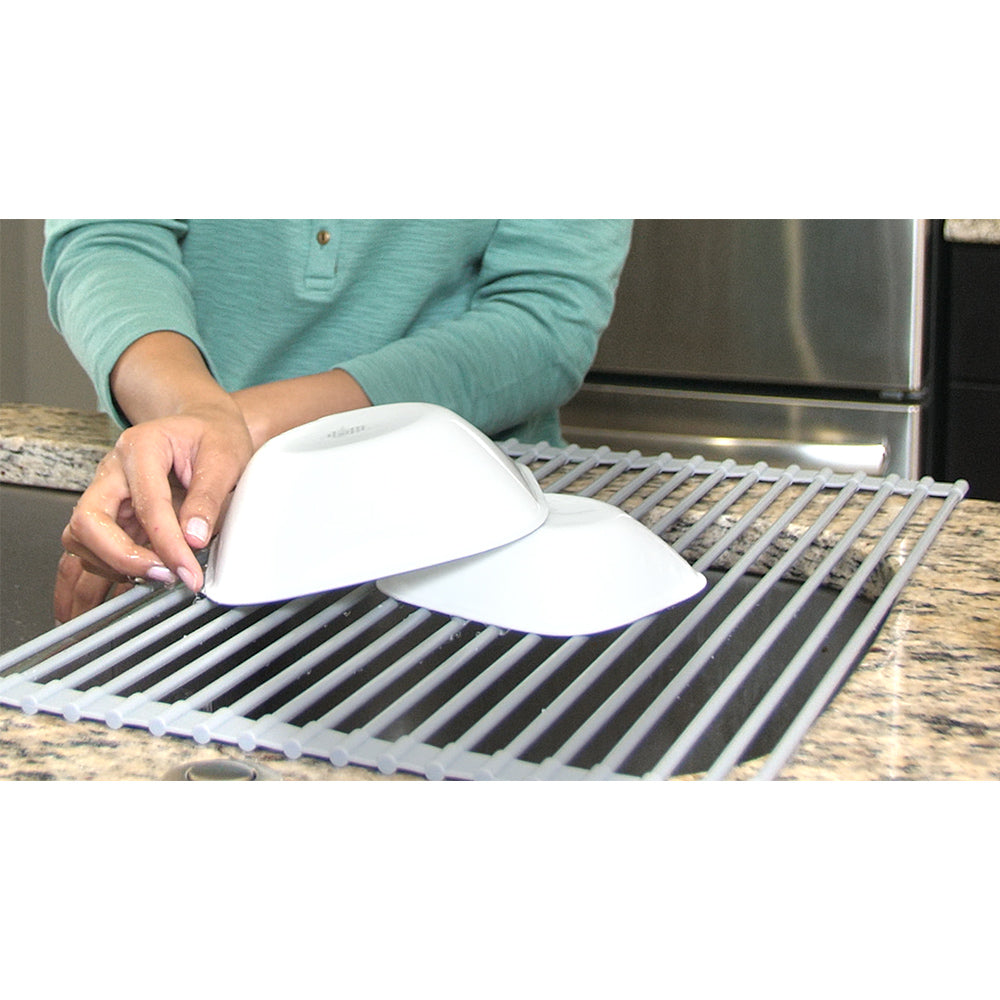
(163, 374)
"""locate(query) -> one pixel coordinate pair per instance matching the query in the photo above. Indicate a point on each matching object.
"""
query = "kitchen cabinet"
(969, 356)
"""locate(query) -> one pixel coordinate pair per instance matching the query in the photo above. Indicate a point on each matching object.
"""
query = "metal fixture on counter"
(803, 568)
(221, 769)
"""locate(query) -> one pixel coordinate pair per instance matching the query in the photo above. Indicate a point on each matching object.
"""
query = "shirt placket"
(321, 257)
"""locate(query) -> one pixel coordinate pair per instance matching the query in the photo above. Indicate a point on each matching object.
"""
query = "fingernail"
(197, 528)
(160, 574)
(187, 578)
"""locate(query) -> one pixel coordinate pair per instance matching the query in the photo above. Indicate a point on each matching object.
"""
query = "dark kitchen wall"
(969, 325)
(36, 366)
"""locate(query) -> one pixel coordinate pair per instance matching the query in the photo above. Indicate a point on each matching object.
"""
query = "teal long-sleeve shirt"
(497, 320)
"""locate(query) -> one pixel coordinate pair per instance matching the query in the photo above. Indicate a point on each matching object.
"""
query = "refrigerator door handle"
(871, 459)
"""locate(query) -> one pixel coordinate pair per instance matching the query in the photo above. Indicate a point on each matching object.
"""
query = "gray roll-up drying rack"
(803, 567)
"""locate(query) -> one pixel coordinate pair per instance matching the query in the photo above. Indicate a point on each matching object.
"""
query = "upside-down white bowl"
(589, 568)
(368, 493)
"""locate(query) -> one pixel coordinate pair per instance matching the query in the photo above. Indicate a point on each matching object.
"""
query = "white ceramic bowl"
(589, 568)
(364, 494)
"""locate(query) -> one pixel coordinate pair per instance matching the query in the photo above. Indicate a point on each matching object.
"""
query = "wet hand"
(78, 590)
(158, 495)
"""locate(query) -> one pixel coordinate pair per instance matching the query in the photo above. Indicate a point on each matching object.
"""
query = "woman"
(204, 338)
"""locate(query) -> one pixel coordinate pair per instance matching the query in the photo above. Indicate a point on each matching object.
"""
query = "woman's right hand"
(128, 523)
(158, 495)
(161, 490)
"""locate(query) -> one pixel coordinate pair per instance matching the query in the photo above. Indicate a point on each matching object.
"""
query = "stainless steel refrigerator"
(782, 340)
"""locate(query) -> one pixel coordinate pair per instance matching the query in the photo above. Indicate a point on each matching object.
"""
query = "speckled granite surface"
(40, 446)
(972, 230)
(923, 704)
(46, 747)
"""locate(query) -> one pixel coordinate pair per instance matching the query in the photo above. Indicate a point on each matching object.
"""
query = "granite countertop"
(972, 230)
(924, 703)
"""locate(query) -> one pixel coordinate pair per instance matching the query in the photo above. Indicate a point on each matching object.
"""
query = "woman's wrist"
(253, 406)
(275, 407)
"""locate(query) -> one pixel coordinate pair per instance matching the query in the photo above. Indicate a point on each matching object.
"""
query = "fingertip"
(160, 574)
(197, 531)
(189, 579)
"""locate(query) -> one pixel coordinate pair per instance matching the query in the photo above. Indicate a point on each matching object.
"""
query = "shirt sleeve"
(112, 281)
(544, 296)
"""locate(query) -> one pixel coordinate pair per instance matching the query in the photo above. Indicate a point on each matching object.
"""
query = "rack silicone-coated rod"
(654, 659)
(826, 688)
(627, 742)
(441, 673)
(66, 631)
(117, 716)
(294, 747)
(458, 701)
(438, 767)
(248, 739)
(161, 602)
(203, 731)
(763, 644)
(760, 648)
(72, 712)
(31, 703)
